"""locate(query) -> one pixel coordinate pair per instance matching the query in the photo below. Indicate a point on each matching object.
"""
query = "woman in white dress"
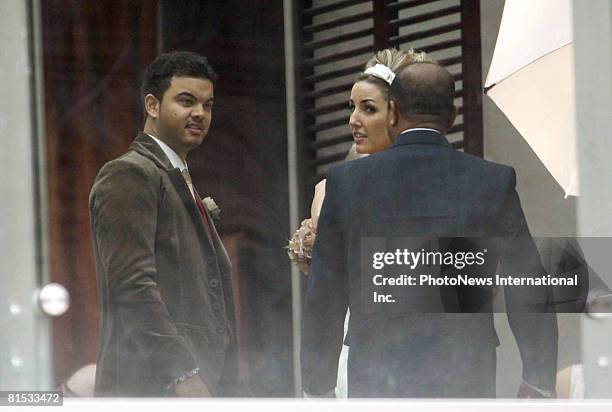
(368, 122)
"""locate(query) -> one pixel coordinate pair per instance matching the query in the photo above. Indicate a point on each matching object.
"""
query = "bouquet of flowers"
(300, 245)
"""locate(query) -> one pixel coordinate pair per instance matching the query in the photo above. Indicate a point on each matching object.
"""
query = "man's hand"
(527, 392)
(193, 387)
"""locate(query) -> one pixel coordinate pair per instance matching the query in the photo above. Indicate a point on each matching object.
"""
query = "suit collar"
(174, 158)
(218, 248)
(421, 136)
(175, 176)
(147, 147)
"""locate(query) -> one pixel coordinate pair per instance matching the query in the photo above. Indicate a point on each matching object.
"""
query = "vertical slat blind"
(338, 37)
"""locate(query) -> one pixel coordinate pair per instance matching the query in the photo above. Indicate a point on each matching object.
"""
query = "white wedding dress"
(342, 380)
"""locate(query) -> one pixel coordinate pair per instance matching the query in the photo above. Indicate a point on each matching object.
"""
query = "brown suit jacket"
(164, 290)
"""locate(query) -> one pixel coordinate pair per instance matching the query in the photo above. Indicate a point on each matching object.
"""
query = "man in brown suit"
(167, 323)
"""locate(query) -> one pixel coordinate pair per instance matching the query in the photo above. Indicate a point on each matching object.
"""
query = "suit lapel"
(146, 146)
(222, 256)
(183, 191)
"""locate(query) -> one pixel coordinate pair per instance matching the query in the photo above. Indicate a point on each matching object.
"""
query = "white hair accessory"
(382, 72)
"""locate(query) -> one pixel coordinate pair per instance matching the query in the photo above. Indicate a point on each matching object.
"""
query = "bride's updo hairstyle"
(393, 59)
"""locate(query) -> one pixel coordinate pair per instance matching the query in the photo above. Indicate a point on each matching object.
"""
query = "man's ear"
(452, 118)
(151, 105)
(393, 113)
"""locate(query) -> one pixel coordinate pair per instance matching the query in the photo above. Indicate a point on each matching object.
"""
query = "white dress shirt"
(421, 128)
(171, 154)
(175, 160)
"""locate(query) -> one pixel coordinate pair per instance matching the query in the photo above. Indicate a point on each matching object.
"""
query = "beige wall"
(593, 63)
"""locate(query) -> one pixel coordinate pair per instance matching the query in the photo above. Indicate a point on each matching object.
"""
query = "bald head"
(424, 89)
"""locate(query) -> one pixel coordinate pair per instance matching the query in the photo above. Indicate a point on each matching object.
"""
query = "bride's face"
(369, 118)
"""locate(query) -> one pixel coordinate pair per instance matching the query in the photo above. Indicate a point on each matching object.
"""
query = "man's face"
(183, 118)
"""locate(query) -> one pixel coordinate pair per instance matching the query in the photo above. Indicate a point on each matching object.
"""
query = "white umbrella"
(531, 79)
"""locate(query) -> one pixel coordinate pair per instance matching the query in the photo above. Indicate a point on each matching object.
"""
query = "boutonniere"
(211, 206)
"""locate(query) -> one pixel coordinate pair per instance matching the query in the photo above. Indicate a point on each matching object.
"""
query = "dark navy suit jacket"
(432, 342)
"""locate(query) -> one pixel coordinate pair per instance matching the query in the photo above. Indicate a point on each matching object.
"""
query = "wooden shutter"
(338, 37)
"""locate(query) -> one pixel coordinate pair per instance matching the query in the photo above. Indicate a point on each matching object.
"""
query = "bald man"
(422, 341)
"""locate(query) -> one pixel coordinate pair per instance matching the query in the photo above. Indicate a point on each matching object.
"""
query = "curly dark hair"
(159, 73)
